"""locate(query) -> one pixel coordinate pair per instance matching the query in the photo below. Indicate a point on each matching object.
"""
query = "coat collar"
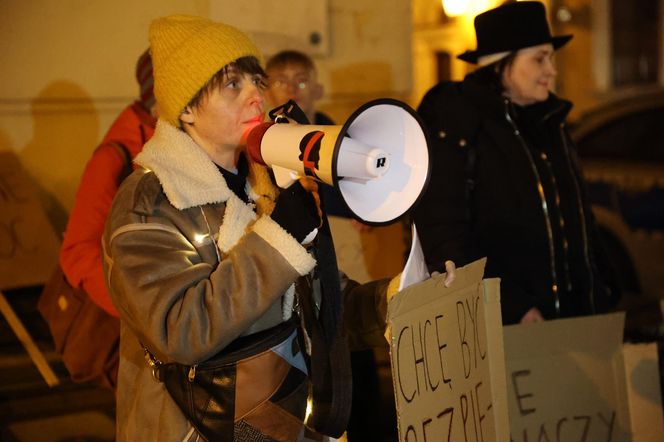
(190, 178)
(186, 173)
(491, 104)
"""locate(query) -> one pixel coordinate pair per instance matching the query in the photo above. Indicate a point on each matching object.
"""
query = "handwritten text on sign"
(589, 426)
(440, 365)
(566, 383)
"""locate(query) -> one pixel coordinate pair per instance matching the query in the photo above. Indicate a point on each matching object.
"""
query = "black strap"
(127, 169)
(330, 358)
(291, 110)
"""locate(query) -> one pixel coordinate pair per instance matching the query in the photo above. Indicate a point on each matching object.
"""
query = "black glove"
(296, 211)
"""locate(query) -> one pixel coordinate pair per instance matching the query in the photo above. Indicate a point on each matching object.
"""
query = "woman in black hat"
(506, 182)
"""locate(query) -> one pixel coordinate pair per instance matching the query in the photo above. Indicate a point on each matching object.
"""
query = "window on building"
(636, 41)
(444, 66)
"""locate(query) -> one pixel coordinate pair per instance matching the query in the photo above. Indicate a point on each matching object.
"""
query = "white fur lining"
(288, 246)
(197, 181)
(237, 217)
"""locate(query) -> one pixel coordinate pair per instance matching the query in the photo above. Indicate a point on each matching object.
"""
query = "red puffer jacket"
(80, 255)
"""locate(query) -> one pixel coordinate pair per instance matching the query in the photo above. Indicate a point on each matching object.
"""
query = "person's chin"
(542, 96)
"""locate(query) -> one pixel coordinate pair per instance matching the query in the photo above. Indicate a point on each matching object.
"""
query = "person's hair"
(285, 58)
(492, 74)
(245, 65)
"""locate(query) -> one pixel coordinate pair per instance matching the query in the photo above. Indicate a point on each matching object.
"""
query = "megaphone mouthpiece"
(254, 139)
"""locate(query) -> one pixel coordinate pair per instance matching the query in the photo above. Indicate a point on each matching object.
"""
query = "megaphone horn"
(378, 160)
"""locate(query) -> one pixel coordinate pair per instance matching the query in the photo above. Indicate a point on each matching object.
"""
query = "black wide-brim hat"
(511, 27)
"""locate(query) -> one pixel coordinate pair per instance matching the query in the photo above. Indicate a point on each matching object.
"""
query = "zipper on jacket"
(216, 247)
(545, 207)
(561, 222)
(584, 230)
(152, 362)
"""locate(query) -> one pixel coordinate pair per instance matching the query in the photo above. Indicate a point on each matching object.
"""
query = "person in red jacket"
(80, 254)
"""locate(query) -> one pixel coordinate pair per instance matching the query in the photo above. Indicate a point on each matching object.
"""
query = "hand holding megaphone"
(378, 160)
(297, 210)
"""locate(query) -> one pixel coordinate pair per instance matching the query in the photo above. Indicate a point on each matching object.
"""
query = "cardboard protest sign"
(644, 395)
(28, 245)
(566, 380)
(447, 359)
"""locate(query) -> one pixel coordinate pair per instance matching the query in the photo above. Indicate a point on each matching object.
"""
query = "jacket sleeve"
(183, 305)
(365, 313)
(442, 215)
(80, 254)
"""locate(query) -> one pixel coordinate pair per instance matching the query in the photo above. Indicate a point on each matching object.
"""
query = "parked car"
(621, 147)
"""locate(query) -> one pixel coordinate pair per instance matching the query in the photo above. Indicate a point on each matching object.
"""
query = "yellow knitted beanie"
(186, 52)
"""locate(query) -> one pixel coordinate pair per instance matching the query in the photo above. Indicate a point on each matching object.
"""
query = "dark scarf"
(237, 182)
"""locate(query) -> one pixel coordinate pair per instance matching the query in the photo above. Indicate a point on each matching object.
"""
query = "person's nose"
(291, 89)
(551, 68)
(256, 96)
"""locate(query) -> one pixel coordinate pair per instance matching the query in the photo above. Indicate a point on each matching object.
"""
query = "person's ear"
(187, 115)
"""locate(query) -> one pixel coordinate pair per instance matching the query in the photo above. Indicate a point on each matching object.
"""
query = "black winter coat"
(505, 184)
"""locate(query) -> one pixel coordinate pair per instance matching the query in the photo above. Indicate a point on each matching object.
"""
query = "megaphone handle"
(291, 110)
(284, 177)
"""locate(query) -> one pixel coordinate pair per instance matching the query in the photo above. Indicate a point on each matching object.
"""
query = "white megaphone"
(378, 160)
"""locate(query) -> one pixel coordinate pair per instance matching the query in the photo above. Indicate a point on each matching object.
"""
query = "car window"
(636, 137)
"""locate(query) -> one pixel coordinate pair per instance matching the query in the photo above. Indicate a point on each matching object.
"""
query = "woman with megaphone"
(230, 303)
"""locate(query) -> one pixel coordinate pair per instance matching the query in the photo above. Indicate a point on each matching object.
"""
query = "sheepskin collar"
(188, 176)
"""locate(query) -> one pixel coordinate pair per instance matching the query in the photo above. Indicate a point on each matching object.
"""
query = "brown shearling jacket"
(191, 268)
